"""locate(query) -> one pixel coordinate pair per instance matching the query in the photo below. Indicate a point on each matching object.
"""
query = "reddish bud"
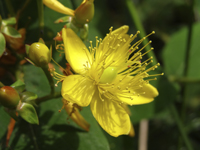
(9, 97)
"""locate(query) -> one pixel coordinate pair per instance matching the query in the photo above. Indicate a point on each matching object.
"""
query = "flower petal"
(111, 116)
(122, 30)
(78, 89)
(130, 90)
(76, 52)
(144, 95)
(115, 45)
(57, 6)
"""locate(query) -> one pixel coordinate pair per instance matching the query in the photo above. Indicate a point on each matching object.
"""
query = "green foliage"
(2, 44)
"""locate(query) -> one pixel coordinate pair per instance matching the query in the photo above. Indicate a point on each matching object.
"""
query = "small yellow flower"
(82, 15)
(77, 20)
(108, 76)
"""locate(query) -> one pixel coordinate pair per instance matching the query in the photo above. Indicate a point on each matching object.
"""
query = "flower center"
(108, 75)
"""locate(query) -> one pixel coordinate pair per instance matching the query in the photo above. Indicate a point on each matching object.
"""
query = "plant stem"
(2, 10)
(186, 67)
(10, 8)
(50, 79)
(133, 12)
(180, 127)
(184, 80)
(41, 16)
(187, 56)
(48, 97)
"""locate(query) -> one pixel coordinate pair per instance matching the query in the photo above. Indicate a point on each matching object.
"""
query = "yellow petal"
(119, 31)
(122, 30)
(132, 131)
(57, 6)
(74, 114)
(144, 95)
(78, 89)
(76, 52)
(111, 116)
(116, 44)
(130, 90)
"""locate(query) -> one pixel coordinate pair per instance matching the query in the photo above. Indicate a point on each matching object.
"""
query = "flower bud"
(39, 54)
(9, 97)
(85, 12)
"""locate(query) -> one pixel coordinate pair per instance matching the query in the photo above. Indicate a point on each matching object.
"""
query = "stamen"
(161, 74)
(58, 65)
(63, 106)
(87, 56)
(147, 51)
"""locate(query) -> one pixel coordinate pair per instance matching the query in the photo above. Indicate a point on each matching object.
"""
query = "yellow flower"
(83, 14)
(108, 75)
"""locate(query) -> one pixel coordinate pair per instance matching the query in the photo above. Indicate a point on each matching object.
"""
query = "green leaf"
(28, 113)
(2, 44)
(9, 21)
(175, 50)
(27, 48)
(19, 86)
(63, 19)
(10, 31)
(28, 97)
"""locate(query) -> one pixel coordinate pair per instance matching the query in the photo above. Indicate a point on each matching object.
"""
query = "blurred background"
(174, 116)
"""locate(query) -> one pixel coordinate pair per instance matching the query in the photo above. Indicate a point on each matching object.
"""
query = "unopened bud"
(9, 97)
(39, 54)
(85, 12)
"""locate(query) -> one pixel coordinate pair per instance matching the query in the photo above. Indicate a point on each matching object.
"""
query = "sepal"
(63, 19)
(73, 27)
(28, 97)
(9, 21)
(10, 31)
(19, 86)
(28, 113)
(84, 32)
